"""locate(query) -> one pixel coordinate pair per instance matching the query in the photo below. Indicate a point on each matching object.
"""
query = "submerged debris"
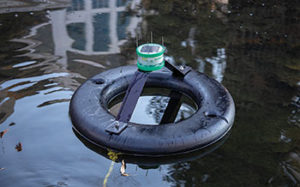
(12, 124)
(123, 169)
(19, 147)
(3, 132)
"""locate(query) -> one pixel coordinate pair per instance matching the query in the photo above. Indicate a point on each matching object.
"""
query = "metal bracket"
(116, 127)
(172, 108)
(179, 71)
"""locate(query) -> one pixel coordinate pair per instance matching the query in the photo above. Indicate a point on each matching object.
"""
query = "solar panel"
(150, 49)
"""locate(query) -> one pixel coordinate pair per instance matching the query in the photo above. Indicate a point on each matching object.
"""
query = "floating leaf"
(123, 169)
(12, 124)
(3, 132)
(19, 147)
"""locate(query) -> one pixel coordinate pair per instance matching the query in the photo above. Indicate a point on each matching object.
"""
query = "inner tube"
(213, 119)
(147, 162)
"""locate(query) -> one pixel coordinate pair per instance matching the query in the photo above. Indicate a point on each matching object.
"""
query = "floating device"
(92, 120)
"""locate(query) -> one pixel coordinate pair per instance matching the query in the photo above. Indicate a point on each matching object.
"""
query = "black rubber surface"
(214, 118)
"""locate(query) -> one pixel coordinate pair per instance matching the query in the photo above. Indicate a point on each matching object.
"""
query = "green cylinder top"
(150, 56)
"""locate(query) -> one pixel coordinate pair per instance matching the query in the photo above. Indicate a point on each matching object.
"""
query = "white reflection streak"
(59, 34)
(31, 44)
(218, 64)
(31, 80)
(201, 64)
(190, 41)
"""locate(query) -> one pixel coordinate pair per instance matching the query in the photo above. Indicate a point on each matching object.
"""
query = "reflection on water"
(91, 28)
(291, 166)
(8, 6)
(152, 104)
(218, 64)
(294, 118)
(251, 47)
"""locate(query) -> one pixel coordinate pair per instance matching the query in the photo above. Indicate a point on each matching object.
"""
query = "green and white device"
(150, 57)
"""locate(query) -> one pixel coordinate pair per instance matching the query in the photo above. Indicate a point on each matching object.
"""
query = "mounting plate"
(116, 127)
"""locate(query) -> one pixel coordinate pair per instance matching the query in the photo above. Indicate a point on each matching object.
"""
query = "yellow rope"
(113, 156)
(108, 173)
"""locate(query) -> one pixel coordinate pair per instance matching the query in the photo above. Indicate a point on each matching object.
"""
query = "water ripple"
(29, 81)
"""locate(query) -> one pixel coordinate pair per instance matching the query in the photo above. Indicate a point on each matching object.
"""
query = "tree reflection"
(156, 107)
(257, 44)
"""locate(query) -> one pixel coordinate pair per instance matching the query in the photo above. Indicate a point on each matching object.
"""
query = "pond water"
(251, 47)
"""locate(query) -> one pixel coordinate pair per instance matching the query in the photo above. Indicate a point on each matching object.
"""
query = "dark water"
(252, 47)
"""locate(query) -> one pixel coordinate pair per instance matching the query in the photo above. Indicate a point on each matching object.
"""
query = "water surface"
(251, 47)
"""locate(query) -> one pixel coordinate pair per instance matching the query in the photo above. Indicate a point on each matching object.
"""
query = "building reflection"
(92, 28)
(76, 43)
(218, 64)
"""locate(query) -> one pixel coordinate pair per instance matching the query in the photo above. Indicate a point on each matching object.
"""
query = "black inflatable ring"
(213, 119)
